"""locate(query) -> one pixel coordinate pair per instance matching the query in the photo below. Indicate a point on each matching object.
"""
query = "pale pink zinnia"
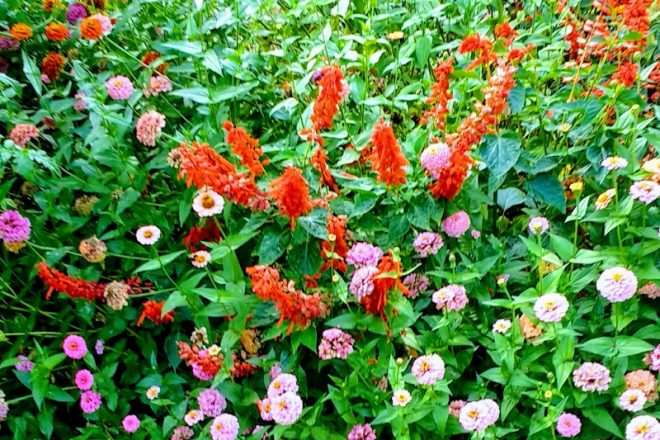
(653, 359)
(401, 398)
(283, 383)
(147, 235)
(617, 284)
(551, 307)
(363, 254)
(632, 400)
(157, 84)
(21, 134)
(119, 87)
(538, 225)
(646, 191)
(428, 369)
(208, 203)
(362, 283)
(149, 126)
(451, 298)
(200, 259)
(591, 376)
(335, 344)
(479, 415)
(456, 224)
(286, 408)
(427, 243)
(643, 428)
(604, 199)
(502, 326)
(455, 407)
(614, 163)
(193, 417)
(224, 427)
(568, 425)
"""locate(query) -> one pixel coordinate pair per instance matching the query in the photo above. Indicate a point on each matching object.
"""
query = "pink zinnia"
(286, 408)
(653, 359)
(364, 254)
(149, 127)
(84, 380)
(182, 433)
(456, 224)
(74, 347)
(224, 427)
(415, 283)
(451, 298)
(283, 383)
(568, 425)
(643, 428)
(455, 407)
(427, 243)
(538, 225)
(25, 364)
(551, 307)
(265, 405)
(131, 423)
(632, 400)
(646, 191)
(157, 84)
(362, 432)
(479, 415)
(362, 283)
(435, 158)
(211, 402)
(90, 401)
(14, 228)
(119, 87)
(80, 104)
(617, 284)
(21, 134)
(428, 369)
(335, 344)
(591, 376)
(106, 23)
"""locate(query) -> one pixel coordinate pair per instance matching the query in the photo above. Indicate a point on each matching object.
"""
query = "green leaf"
(230, 92)
(548, 189)
(602, 418)
(630, 346)
(32, 72)
(189, 47)
(126, 200)
(500, 152)
(509, 197)
(175, 300)
(316, 224)
(196, 94)
(155, 263)
(423, 50)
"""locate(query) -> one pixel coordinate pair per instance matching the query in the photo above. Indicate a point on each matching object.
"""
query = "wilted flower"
(428, 369)
(538, 225)
(92, 249)
(98, 347)
(568, 425)
(208, 203)
(530, 331)
(591, 376)
(456, 224)
(632, 400)
(551, 307)
(116, 295)
(614, 163)
(401, 398)
(451, 298)
(182, 433)
(4, 408)
(84, 205)
(652, 166)
(335, 344)
(199, 337)
(651, 290)
(646, 191)
(427, 243)
(617, 284)
(147, 235)
(502, 326)
(604, 199)
(415, 283)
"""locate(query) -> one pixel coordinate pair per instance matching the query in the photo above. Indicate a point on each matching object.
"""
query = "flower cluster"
(282, 404)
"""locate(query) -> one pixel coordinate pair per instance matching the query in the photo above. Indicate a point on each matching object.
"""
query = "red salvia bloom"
(440, 94)
(202, 166)
(320, 163)
(332, 91)
(626, 74)
(482, 45)
(153, 310)
(386, 157)
(635, 15)
(291, 194)
(294, 306)
(312, 136)
(245, 147)
(452, 177)
(505, 31)
(200, 359)
(387, 278)
(197, 234)
(241, 368)
(334, 250)
(516, 54)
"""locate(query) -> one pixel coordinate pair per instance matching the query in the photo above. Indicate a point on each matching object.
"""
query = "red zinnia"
(245, 147)
(387, 159)
(291, 194)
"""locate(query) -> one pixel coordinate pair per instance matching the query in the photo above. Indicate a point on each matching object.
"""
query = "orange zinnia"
(52, 65)
(291, 194)
(387, 159)
(387, 278)
(21, 31)
(332, 91)
(320, 163)
(56, 31)
(245, 147)
(91, 28)
(151, 57)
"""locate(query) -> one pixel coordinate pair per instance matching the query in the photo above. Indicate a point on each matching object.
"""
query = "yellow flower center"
(148, 234)
(207, 201)
(617, 277)
(424, 367)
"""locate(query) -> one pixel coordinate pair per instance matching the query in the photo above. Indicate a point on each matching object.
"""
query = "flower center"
(424, 367)
(642, 428)
(617, 277)
(148, 234)
(550, 305)
(200, 258)
(207, 201)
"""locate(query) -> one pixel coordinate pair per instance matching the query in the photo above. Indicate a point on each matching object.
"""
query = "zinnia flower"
(651, 290)
(632, 400)
(200, 259)
(361, 432)
(153, 392)
(208, 203)
(90, 28)
(130, 423)
(52, 65)
(401, 398)
(116, 295)
(653, 359)
(157, 84)
(452, 298)
(643, 428)
(283, 383)
(56, 31)
(193, 417)
(90, 401)
(211, 402)
(604, 199)
(538, 225)
(617, 284)
(614, 163)
(21, 134)
(147, 235)
(84, 380)
(265, 406)
(182, 433)
(646, 191)
(74, 347)
(479, 415)
(434, 158)
(415, 283)
(551, 307)
(568, 425)
(456, 224)
(25, 364)
(644, 381)
(455, 407)
(428, 369)
(364, 254)
(502, 326)
(224, 427)
(335, 344)
(21, 31)
(14, 229)
(291, 194)
(75, 12)
(119, 87)
(591, 376)
(286, 408)
(149, 126)
(427, 243)
(362, 283)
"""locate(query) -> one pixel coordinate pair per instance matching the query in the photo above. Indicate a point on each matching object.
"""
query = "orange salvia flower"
(52, 65)
(332, 91)
(56, 31)
(505, 31)
(152, 310)
(387, 159)
(291, 194)
(335, 249)
(21, 31)
(387, 278)
(440, 94)
(90, 28)
(320, 163)
(245, 147)
(626, 74)
(451, 178)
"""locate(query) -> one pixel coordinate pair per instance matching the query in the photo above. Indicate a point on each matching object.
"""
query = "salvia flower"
(568, 425)
(591, 376)
(434, 158)
(90, 401)
(362, 283)
(208, 203)
(632, 400)
(283, 383)
(84, 380)
(149, 126)
(361, 432)
(538, 225)
(451, 298)
(224, 427)
(428, 369)
(74, 347)
(387, 159)
(291, 193)
(415, 283)
(614, 163)
(604, 199)
(147, 235)
(211, 402)
(502, 326)
(25, 364)
(551, 307)
(364, 254)
(153, 392)
(130, 423)
(286, 408)
(456, 224)
(401, 398)
(617, 284)
(427, 243)
(479, 415)
(643, 428)
(646, 191)
(335, 344)
(21, 134)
